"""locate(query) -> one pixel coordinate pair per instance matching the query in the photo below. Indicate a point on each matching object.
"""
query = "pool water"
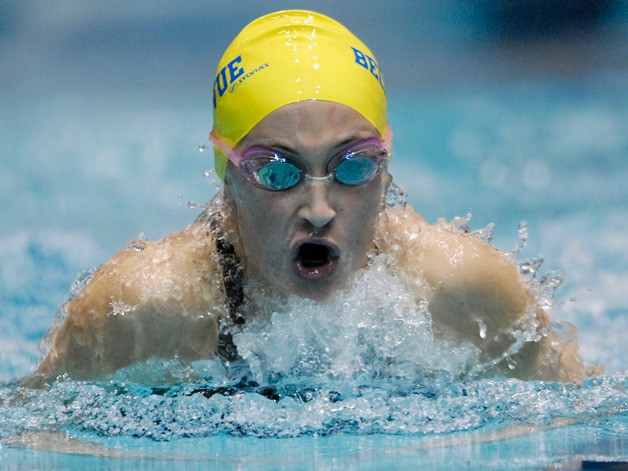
(373, 411)
(75, 185)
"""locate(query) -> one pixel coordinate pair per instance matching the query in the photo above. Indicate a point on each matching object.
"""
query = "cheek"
(360, 212)
(260, 224)
(365, 204)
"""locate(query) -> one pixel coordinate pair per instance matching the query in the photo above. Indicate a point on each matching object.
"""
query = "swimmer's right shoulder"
(159, 299)
(183, 266)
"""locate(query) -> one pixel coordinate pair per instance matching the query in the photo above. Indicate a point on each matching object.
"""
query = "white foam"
(376, 329)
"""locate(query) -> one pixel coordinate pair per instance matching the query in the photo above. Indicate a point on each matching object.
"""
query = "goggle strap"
(236, 158)
(225, 148)
(387, 140)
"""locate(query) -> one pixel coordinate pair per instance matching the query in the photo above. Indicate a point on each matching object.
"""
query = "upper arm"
(471, 285)
(150, 299)
(476, 293)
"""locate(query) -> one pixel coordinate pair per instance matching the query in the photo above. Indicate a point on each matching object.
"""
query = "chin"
(320, 290)
(307, 286)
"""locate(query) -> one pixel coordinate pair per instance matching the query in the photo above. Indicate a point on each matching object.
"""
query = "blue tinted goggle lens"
(356, 170)
(354, 166)
(278, 175)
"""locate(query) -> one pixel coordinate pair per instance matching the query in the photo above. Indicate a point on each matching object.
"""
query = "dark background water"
(112, 97)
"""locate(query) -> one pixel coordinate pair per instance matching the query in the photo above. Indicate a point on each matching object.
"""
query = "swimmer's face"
(308, 240)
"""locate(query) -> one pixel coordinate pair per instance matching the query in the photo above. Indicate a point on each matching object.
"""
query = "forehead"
(310, 125)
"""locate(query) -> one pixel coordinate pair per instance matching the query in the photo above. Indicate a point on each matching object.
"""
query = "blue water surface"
(90, 159)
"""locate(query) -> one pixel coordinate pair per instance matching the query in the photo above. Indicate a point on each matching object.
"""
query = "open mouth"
(315, 260)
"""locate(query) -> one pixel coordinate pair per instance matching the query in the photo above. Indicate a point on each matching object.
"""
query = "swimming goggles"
(271, 169)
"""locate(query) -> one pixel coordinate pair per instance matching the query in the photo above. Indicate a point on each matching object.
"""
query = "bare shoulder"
(448, 255)
(150, 299)
(475, 292)
(182, 265)
(461, 270)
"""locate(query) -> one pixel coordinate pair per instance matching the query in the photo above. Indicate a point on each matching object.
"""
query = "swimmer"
(302, 141)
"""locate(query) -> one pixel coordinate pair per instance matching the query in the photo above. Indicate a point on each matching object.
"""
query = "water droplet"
(530, 267)
(396, 196)
(137, 243)
(486, 233)
(523, 237)
(483, 328)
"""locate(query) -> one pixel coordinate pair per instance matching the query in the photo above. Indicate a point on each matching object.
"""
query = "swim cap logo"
(222, 81)
(369, 64)
(227, 76)
(244, 77)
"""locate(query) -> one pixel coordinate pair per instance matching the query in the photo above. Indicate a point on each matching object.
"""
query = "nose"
(316, 207)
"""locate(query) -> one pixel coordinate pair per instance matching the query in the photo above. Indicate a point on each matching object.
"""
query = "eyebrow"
(335, 149)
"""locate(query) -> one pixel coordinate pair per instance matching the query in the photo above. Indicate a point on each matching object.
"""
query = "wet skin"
(166, 298)
(337, 221)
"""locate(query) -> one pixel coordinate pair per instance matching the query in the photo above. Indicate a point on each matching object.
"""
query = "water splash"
(522, 232)
(195, 205)
(210, 174)
(376, 329)
(486, 233)
(367, 362)
(201, 408)
(396, 196)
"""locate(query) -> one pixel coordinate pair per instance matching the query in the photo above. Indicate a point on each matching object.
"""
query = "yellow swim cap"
(292, 56)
